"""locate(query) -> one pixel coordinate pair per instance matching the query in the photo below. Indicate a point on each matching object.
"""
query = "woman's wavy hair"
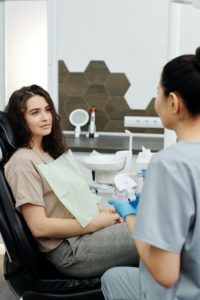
(53, 143)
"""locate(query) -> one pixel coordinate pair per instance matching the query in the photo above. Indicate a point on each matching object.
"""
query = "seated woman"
(75, 250)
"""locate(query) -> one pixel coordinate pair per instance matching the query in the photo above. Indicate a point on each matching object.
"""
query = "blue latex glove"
(136, 201)
(123, 208)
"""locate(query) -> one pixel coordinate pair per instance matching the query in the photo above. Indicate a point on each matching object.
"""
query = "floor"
(5, 292)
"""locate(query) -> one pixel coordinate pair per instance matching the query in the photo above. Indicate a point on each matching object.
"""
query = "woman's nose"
(44, 115)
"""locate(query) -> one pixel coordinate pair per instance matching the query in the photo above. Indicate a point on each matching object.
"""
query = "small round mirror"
(78, 117)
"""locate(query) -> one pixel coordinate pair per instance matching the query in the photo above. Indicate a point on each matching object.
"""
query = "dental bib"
(68, 184)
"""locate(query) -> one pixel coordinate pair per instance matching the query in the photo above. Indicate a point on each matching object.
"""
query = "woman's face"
(38, 116)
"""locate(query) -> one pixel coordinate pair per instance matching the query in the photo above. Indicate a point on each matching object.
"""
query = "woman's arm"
(130, 221)
(163, 265)
(43, 227)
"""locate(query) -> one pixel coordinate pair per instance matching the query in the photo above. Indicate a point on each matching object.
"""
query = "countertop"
(112, 143)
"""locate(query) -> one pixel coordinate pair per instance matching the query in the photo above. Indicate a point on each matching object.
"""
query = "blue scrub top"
(169, 218)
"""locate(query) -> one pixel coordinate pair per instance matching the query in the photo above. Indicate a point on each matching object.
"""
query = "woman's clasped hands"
(105, 218)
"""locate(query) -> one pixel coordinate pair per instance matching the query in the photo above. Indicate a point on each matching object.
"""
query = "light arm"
(43, 227)
(164, 266)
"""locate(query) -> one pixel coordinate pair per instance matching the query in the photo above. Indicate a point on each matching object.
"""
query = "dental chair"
(29, 275)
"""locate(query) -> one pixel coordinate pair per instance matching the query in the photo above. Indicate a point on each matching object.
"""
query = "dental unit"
(107, 166)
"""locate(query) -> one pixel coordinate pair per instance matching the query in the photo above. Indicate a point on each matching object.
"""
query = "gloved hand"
(136, 201)
(123, 208)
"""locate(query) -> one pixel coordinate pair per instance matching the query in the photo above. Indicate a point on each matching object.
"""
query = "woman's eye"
(48, 109)
(34, 113)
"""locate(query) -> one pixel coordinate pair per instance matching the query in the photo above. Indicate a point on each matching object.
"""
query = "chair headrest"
(7, 138)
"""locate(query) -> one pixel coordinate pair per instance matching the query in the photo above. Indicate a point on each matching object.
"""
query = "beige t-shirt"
(29, 186)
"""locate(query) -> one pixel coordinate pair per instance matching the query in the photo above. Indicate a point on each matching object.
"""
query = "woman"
(74, 250)
(167, 226)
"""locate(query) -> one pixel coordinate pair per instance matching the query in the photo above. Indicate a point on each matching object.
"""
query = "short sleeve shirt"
(29, 186)
(169, 218)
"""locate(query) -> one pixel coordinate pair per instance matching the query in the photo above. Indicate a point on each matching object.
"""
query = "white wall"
(189, 29)
(131, 36)
(25, 44)
(183, 38)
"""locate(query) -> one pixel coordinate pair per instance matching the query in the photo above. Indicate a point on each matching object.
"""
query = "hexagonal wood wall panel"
(98, 86)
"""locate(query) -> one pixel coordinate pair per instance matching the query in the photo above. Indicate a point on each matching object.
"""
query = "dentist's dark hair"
(181, 75)
(52, 143)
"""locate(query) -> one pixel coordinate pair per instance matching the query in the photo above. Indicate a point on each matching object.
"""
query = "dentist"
(167, 227)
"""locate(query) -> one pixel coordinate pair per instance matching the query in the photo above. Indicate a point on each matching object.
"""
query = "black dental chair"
(29, 275)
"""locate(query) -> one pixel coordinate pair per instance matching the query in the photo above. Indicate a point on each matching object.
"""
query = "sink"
(104, 163)
(107, 166)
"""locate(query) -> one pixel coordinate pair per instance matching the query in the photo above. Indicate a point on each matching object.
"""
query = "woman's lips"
(45, 126)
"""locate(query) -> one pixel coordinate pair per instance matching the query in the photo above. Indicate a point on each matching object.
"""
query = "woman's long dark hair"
(54, 142)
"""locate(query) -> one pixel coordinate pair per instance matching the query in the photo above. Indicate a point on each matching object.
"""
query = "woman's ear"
(175, 103)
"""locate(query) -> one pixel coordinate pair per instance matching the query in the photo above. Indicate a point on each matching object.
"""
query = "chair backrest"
(20, 245)
(7, 138)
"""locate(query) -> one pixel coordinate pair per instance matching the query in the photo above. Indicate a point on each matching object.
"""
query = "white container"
(142, 161)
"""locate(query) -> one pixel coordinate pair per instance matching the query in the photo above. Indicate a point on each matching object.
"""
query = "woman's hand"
(107, 209)
(104, 219)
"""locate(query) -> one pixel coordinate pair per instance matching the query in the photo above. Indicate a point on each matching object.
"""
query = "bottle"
(92, 126)
(141, 177)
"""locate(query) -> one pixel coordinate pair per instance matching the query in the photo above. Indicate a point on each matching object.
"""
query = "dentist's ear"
(175, 103)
